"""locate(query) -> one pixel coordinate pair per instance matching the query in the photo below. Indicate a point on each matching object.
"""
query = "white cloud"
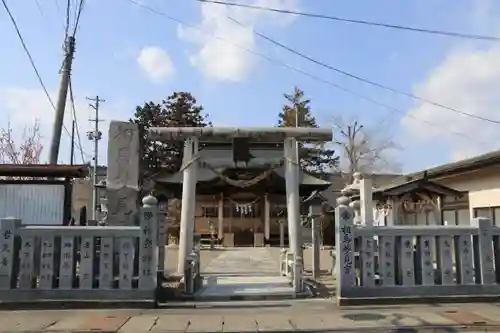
(156, 63)
(466, 80)
(220, 60)
(22, 106)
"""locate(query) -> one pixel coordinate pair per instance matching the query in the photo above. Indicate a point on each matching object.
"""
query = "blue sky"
(128, 55)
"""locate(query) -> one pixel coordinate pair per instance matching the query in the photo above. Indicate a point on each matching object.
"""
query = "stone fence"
(376, 262)
(82, 263)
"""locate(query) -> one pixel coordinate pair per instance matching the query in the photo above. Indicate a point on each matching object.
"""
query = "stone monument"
(123, 173)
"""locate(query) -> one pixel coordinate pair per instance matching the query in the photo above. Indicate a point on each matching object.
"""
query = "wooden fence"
(416, 261)
(73, 263)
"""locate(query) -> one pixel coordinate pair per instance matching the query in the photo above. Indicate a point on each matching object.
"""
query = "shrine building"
(241, 197)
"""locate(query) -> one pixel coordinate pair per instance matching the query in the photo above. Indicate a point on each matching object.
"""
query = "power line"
(28, 53)
(32, 62)
(359, 78)
(78, 14)
(312, 76)
(40, 8)
(377, 24)
(57, 5)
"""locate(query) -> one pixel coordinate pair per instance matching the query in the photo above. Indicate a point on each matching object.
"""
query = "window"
(456, 216)
(210, 211)
(463, 216)
(455, 210)
(449, 217)
(491, 212)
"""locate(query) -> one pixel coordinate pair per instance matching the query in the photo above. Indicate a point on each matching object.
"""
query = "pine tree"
(179, 110)
(314, 158)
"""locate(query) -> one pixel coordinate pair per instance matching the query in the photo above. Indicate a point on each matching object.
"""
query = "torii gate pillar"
(292, 195)
(188, 206)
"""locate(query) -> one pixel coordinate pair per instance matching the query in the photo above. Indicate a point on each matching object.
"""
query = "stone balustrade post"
(148, 242)
(8, 228)
(343, 200)
(344, 232)
(283, 262)
(298, 272)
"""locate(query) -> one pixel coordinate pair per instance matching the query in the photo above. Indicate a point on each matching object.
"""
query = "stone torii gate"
(192, 136)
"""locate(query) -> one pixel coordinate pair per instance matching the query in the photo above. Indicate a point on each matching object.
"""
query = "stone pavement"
(244, 261)
(290, 316)
(207, 256)
(244, 273)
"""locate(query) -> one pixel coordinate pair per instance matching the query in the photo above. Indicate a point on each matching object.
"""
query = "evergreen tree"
(179, 110)
(314, 158)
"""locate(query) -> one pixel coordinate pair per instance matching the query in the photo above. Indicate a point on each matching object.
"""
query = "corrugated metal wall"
(33, 203)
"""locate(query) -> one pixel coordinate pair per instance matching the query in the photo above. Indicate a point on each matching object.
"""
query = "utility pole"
(95, 136)
(61, 100)
(297, 126)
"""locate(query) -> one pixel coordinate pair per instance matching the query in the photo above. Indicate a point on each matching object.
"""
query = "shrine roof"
(415, 186)
(466, 165)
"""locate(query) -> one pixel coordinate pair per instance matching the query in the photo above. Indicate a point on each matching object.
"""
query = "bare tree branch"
(26, 151)
(363, 150)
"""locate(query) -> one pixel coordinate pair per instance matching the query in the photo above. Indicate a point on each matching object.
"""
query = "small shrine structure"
(412, 202)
